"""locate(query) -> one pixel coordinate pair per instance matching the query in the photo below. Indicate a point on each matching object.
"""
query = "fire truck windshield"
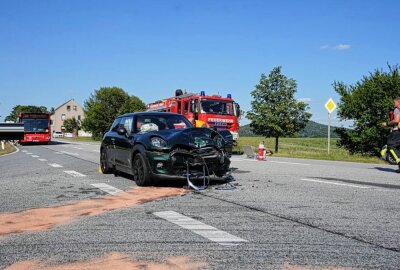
(217, 107)
(35, 125)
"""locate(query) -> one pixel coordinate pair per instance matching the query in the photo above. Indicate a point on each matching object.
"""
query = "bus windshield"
(217, 107)
(35, 125)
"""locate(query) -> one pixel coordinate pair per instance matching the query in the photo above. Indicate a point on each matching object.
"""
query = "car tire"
(140, 171)
(104, 166)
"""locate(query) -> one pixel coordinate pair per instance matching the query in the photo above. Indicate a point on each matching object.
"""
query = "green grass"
(311, 148)
(80, 139)
(8, 148)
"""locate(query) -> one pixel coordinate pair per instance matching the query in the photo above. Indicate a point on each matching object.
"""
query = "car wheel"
(140, 171)
(105, 168)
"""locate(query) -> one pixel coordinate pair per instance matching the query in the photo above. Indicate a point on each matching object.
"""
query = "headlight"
(158, 142)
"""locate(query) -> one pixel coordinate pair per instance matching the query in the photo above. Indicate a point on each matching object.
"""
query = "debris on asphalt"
(41, 219)
(113, 261)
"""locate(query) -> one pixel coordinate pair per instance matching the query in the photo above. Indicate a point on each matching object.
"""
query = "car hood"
(193, 137)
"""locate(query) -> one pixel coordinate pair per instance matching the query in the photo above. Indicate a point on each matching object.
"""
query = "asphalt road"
(283, 214)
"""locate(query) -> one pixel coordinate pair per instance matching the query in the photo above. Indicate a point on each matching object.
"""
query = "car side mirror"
(122, 131)
(237, 109)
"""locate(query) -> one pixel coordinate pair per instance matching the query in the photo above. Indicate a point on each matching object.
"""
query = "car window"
(126, 122)
(114, 125)
(147, 123)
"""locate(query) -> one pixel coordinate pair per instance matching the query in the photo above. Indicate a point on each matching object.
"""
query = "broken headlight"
(158, 142)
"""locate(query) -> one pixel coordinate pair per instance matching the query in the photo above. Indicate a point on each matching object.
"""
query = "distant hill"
(312, 130)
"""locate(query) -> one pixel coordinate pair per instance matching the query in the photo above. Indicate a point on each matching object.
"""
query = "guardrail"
(11, 131)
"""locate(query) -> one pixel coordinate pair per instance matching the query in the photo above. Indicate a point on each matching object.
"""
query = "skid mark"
(41, 219)
(113, 261)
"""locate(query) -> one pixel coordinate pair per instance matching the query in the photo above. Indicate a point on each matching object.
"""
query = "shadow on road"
(179, 183)
(58, 143)
(383, 169)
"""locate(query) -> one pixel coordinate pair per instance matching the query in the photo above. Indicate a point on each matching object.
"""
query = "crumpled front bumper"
(176, 163)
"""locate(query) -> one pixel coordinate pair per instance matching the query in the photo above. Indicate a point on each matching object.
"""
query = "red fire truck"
(203, 110)
(36, 127)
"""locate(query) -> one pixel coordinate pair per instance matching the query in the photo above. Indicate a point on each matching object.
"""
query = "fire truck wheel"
(105, 168)
(140, 171)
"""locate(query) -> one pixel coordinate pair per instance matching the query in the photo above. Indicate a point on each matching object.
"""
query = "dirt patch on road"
(113, 261)
(42, 219)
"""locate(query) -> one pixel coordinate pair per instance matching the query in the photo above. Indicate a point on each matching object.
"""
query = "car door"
(109, 141)
(123, 145)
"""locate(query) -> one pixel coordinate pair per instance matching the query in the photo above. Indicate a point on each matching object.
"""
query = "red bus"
(36, 127)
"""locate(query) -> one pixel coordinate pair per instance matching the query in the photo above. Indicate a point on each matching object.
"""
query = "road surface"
(57, 210)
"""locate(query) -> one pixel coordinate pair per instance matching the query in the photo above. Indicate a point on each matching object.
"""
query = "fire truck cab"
(203, 110)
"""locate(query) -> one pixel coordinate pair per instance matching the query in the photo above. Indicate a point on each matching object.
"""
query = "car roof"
(148, 113)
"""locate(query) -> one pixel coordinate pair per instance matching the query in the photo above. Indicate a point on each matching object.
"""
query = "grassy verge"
(7, 149)
(80, 139)
(311, 148)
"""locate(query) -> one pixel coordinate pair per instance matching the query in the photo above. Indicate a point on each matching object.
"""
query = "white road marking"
(293, 163)
(75, 173)
(55, 165)
(97, 151)
(42, 159)
(24, 151)
(69, 153)
(28, 153)
(204, 230)
(35, 156)
(333, 183)
(79, 148)
(107, 188)
(58, 153)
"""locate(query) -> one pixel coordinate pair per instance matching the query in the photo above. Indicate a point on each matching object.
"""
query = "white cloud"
(341, 47)
(305, 100)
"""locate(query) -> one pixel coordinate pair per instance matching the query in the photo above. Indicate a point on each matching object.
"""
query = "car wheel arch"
(138, 148)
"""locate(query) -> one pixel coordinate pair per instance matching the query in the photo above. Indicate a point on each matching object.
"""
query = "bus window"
(186, 107)
(179, 106)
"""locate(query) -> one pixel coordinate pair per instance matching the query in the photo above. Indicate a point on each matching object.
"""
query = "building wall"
(70, 109)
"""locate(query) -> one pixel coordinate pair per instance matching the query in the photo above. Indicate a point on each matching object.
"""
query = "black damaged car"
(154, 145)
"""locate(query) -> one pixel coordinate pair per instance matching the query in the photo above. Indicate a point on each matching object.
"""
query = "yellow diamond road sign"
(330, 105)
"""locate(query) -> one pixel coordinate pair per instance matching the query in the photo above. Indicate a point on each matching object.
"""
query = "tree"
(275, 111)
(133, 104)
(367, 103)
(104, 105)
(71, 125)
(13, 116)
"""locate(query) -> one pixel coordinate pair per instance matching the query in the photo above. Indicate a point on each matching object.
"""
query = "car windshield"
(147, 123)
(217, 107)
(35, 125)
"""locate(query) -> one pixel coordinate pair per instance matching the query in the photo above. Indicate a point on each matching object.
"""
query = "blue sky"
(52, 51)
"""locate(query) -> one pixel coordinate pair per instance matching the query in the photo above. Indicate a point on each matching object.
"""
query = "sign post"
(330, 106)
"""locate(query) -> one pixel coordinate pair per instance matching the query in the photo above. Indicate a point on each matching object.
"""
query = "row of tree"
(104, 105)
(275, 112)
(367, 103)
(101, 108)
